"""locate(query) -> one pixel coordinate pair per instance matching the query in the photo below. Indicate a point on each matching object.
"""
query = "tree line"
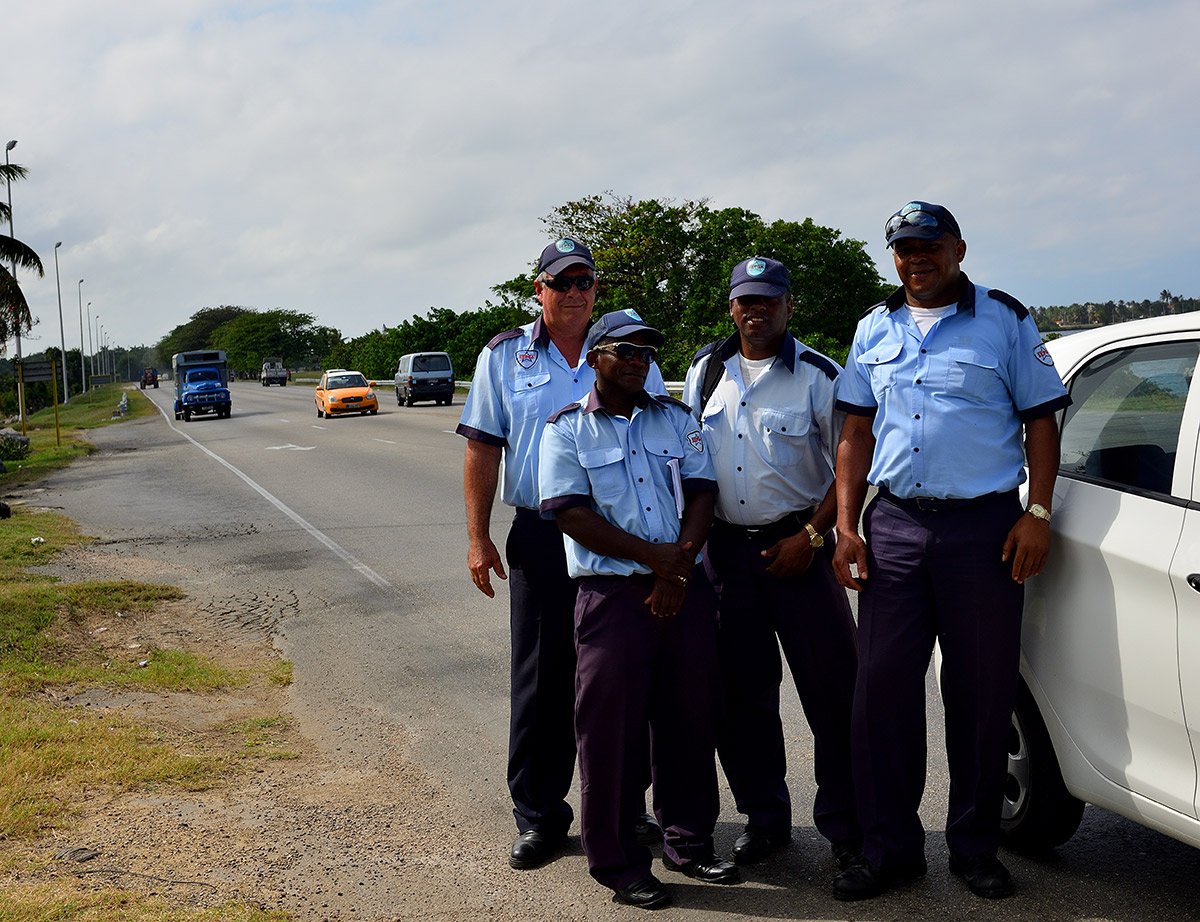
(1072, 316)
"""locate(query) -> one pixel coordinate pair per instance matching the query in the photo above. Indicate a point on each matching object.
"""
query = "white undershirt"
(926, 317)
(753, 368)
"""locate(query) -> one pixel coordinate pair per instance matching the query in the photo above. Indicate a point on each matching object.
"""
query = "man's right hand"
(482, 559)
(851, 549)
(673, 562)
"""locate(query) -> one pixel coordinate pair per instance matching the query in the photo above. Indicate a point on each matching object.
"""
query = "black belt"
(935, 504)
(532, 515)
(791, 524)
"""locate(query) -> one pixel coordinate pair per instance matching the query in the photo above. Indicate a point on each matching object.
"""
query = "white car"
(1109, 708)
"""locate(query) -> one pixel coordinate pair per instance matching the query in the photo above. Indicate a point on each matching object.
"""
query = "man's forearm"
(855, 450)
(481, 475)
(1042, 456)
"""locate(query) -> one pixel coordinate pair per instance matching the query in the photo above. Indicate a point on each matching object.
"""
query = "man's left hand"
(666, 598)
(1027, 546)
(793, 555)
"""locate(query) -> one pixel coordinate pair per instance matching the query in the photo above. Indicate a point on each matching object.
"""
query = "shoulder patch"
(1012, 303)
(705, 350)
(874, 307)
(819, 361)
(569, 408)
(501, 337)
(667, 400)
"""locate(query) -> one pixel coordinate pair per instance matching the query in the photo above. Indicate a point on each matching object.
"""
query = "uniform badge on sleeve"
(1042, 354)
(527, 357)
(696, 440)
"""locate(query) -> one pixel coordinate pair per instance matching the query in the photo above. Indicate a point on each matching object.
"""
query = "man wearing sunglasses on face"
(629, 481)
(766, 404)
(949, 394)
(522, 376)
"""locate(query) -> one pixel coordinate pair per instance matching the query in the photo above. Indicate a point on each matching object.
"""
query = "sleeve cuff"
(478, 435)
(1045, 409)
(557, 503)
(699, 485)
(853, 409)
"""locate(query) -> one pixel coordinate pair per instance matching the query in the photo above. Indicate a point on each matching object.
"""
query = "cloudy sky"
(364, 161)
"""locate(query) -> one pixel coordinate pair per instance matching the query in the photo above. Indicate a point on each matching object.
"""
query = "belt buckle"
(928, 503)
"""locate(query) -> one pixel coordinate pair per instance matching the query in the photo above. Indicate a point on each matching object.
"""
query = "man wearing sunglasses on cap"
(629, 481)
(522, 376)
(766, 404)
(949, 394)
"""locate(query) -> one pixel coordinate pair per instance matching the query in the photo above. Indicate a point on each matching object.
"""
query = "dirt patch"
(301, 833)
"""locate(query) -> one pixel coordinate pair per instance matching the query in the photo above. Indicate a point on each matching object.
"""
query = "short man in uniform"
(630, 483)
(949, 394)
(523, 376)
(766, 404)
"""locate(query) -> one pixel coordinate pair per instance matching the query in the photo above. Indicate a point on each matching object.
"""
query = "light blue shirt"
(949, 406)
(773, 441)
(621, 468)
(520, 379)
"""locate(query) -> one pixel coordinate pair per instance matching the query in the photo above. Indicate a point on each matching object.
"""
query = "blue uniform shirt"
(621, 468)
(520, 379)
(948, 407)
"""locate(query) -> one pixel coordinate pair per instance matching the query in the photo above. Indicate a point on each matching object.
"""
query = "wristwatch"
(815, 538)
(1038, 511)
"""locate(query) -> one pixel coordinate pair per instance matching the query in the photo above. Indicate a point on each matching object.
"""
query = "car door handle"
(1194, 581)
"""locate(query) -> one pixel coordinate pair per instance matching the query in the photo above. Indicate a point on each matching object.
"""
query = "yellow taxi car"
(341, 391)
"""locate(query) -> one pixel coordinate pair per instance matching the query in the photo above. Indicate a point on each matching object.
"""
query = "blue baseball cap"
(759, 276)
(616, 324)
(562, 254)
(921, 219)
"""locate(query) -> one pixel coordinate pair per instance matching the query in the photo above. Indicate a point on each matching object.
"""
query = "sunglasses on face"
(627, 351)
(564, 283)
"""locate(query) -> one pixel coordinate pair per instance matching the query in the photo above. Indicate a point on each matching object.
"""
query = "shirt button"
(739, 435)
(924, 351)
(917, 416)
(641, 480)
(743, 403)
(647, 508)
(918, 380)
(739, 468)
(635, 451)
(917, 485)
(742, 501)
(916, 449)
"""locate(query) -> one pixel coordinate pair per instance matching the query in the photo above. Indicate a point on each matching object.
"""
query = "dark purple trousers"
(809, 617)
(935, 575)
(636, 670)
(541, 739)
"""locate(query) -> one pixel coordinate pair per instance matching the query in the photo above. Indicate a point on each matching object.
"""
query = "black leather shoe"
(755, 844)
(647, 830)
(647, 893)
(861, 881)
(533, 849)
(711, 869)
(984, 875)
(847, 853)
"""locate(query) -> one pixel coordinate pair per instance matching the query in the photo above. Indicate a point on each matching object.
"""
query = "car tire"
(187, 416)
(408, 401)
(1039, 812)
(449, 401)
(320, 415)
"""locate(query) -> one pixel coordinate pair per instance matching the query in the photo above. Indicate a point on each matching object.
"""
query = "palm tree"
(14, 309)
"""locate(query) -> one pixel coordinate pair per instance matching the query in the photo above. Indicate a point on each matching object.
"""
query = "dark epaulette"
(570, 407)
(506, 335)
(1005, 298)
(874, 307)
(667, 400)
(705, 350)
(819, 361)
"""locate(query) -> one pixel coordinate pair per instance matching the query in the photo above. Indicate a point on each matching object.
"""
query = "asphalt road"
(351, 533)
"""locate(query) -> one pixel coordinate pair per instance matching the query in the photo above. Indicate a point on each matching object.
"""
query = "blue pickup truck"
(201, 384)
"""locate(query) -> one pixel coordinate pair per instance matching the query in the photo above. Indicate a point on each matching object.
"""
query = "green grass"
(49, 903)
(88, 411)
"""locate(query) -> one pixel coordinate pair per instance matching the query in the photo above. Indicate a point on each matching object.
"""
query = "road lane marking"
(315, 426)
(290, 447)
(316, 533)
(385, 441)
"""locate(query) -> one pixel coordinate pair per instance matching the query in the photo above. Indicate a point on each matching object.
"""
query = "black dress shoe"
(756, 843)
(711, 869)
(984, 875)
(647, 893)
(534, 848)
(647, 830)
(847, 853)
(861, 881)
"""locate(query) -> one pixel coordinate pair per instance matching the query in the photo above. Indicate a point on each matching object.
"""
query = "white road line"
(385, 441)
(324, 539)
(315, 426)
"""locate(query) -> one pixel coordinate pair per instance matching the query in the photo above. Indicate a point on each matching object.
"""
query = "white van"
(424, 376)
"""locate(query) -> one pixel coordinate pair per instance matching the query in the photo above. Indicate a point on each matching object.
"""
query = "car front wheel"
(1039, 812)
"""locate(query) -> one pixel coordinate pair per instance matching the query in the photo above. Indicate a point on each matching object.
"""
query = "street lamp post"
(82, 365)
(17, 325)
(96, 351)
(91, 354)
(62, 332)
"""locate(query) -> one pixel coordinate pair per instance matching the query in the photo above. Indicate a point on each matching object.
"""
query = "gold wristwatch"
(1038, 511)
(815, 538)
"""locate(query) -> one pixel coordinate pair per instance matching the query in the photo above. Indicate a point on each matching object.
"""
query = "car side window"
(1122, 427)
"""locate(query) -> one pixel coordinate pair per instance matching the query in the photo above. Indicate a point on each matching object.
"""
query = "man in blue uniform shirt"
(949, 393)
(523, 376)
(629, 481)
(766, 404)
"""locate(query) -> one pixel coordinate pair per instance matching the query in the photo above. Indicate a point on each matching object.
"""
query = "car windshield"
(204, 374)
(431, 363)
(337, 382)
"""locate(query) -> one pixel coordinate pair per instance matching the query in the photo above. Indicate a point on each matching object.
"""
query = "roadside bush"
(13, 445)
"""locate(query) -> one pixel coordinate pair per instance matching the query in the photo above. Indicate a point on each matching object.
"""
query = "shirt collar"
(966, 297)
(592, 402)
(540, 334)
(787, 350)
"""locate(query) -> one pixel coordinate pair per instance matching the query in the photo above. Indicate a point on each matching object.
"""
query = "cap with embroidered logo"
(759, 276)
(564, 253)
(616, 324)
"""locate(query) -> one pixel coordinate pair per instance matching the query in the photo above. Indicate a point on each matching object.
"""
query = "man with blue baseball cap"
(766, 404)
(949, 394)
(630, 483)
(522, 376)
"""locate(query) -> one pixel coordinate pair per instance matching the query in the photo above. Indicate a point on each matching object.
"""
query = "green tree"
(15, 318)
(197, 333)
(253, 335)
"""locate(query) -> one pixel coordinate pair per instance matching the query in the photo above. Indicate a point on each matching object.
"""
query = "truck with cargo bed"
(201, 384)
(273, 371)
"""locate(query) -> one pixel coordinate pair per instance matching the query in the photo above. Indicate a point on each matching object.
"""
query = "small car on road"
(341, 391)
